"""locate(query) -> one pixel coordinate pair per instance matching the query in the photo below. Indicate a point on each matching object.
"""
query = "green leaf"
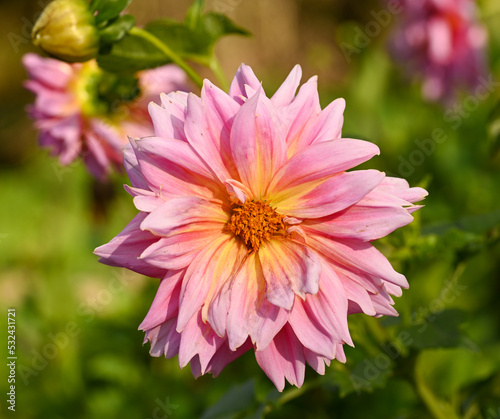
(194, 42)
(178, 37)
(217, 25)
(116, 30)
(237, 400)
(107, 9)
(132, 53)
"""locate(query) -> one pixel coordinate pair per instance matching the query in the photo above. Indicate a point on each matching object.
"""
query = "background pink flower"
(260, 234)
(78, 116)
(442, 42)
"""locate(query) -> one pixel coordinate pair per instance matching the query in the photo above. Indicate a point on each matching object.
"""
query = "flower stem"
(217, 70)
(193, 75)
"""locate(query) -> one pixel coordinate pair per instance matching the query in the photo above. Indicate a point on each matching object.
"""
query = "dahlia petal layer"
(251, 215)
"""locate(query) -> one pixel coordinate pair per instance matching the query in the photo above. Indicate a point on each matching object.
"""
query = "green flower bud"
(66, 30)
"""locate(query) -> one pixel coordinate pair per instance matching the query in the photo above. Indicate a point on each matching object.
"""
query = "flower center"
(254, 222)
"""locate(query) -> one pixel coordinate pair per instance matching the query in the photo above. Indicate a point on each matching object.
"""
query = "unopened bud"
(66, 30)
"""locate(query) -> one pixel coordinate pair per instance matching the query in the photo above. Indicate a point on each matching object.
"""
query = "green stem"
(193, 75)
(217, 70)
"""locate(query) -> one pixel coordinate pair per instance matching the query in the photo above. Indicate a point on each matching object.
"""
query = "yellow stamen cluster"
(254, 222)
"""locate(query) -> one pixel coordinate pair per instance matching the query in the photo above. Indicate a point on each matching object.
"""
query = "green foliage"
(131, 54)
(194, 39)
(107, 9)
(116, 30)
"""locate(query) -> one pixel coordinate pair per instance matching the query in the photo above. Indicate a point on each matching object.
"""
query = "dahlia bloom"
(442, 42)
(75, 119)
(260, 235)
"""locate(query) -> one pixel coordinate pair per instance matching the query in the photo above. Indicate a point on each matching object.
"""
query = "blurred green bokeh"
(79, 351)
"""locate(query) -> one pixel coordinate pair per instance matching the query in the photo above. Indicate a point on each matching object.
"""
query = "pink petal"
(205, 275)
(283, 358)
(249, 313)
(220, 109)
(168, 120)
(53, 73)
(286, 92)
(400, 188)
(319, 161)
(132, 167)
(185, 211)
(331, 196)
(244, 76)
(198, 338)
(166, 302)
(164, 339)
(180, 249)
(289, 268)
(362, 221)
(310, 332)
(198, 134)
(328, 125)
(300, 114)
(440, 40)
(171, 168)
(359, 256)
(316, 361)
(258, 149)
(329, 306)
(124, 249)
(355, 292)
(167, 78)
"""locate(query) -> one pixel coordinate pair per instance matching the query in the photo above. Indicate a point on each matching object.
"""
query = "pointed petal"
(357, 256)
(328, 125)
(198, 134)
(132, 167)
(286, 92)
(224, 356)
(185, 211)
(310, 332)
(258, 149)
(244, 76)
(250, 313)
(171, 168)
(179, 250)
(207, 273)
(198, 338)
(289, 268)
(329, 197)
(319, 161)
(164, 339)
(124, 249)
(301, 114)
(166, 302)
(220, 110)
(329, 306)
(283, 358)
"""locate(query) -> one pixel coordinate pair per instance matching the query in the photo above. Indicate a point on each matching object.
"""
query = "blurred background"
(78, 347)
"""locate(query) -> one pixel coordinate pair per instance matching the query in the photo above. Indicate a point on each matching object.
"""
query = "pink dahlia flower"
(441, 41)
(75, 119)
(260, 234)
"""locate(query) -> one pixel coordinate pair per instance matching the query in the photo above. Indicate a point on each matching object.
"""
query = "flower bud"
(66, 30)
